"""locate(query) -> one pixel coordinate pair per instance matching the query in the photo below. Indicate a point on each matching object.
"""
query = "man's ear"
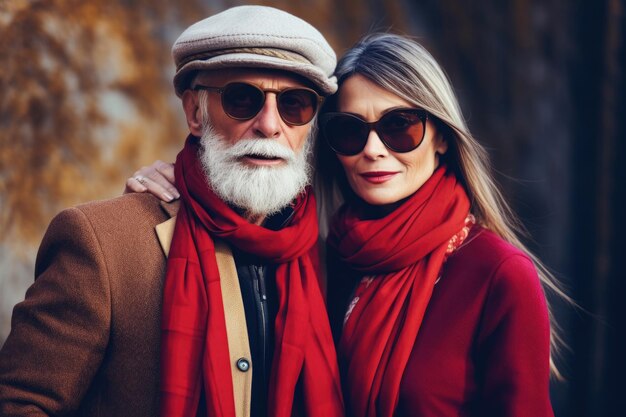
(192, 112)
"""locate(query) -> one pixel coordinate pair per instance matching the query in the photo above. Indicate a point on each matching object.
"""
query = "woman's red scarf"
(194, 348)
(402, 254)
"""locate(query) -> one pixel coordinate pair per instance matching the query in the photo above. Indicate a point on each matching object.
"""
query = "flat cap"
(255, 37)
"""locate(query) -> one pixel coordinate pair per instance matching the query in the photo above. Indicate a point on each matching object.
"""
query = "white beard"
(258, 190)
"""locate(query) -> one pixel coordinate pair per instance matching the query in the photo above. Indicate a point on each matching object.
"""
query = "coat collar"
(165, 230)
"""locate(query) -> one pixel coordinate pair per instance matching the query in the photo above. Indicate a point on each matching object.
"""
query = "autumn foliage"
(86, 98)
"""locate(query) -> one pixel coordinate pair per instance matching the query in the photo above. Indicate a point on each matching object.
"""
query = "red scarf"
(402, 254)
(194, 348)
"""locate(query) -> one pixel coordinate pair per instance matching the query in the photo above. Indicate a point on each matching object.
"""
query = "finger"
(154, 188)
(133, 185)
(162, 180)
(166, 169)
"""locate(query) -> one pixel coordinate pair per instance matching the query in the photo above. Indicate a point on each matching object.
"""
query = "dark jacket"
(257, 281)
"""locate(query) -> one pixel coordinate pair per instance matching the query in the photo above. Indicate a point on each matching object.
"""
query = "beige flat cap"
(255, 37)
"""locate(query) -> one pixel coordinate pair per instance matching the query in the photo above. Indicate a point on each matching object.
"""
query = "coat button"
(243, 365)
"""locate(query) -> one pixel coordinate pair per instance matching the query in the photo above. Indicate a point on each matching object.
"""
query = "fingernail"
(176, 194)
(167, 196)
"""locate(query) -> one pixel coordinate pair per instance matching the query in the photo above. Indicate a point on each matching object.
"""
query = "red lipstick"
(378, 177)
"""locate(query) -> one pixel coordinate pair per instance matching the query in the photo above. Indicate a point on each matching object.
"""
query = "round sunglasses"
(401, 130)
(243, 101)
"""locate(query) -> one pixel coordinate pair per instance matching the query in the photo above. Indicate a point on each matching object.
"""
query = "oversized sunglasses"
(242, 101)
(401, 130)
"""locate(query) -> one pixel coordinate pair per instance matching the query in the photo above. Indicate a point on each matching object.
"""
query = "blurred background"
(86, 98)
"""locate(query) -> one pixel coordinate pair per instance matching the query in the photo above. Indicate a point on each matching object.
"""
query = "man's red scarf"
(194, 348)
(401, 254)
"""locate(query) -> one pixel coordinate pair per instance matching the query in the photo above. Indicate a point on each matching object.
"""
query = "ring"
(141, 180)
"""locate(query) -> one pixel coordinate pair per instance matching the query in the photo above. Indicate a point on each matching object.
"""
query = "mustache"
(268, 148)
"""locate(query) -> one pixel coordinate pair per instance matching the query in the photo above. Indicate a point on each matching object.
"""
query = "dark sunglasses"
(242, 101)
(401, 130)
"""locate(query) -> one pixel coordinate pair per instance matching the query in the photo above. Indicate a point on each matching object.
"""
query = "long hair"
(405, 68)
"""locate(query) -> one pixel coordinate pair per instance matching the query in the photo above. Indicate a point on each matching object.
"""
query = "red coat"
(483, 348)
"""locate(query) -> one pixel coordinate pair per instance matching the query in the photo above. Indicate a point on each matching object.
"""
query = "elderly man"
(233, 322)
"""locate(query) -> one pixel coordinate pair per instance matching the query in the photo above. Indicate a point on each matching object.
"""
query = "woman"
(448, 316)
(439, 306)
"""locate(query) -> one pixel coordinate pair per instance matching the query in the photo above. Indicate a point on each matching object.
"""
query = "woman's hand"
(156, 179)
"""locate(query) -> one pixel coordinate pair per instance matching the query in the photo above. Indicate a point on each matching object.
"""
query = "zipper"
(261, 290)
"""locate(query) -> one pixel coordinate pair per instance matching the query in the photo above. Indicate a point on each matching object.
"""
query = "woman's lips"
(377, 177)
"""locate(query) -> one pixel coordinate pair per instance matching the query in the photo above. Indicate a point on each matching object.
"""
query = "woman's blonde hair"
(405, 68)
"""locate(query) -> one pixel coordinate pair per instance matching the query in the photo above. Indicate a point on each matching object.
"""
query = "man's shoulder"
(125, 215)
(130, 205)
(120, 228)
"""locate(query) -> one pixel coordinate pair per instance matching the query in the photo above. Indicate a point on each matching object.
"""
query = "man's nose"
(267, 122)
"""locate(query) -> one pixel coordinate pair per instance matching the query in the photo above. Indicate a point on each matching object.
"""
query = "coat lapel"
(234, 313)
(165, 230)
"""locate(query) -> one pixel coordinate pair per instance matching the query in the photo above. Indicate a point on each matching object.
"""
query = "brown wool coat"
(85, 341)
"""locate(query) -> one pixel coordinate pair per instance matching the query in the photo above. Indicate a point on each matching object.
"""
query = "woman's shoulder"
(481, 239)
(485, 256)
(488, 268)
(485, 246)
